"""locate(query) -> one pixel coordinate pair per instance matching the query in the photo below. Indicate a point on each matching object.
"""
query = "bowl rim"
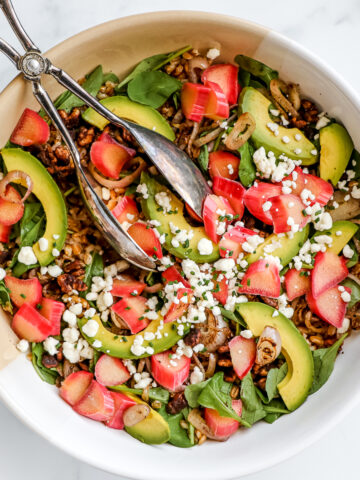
(351, 401)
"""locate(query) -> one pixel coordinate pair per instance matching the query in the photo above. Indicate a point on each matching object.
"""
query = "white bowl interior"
(118, 45)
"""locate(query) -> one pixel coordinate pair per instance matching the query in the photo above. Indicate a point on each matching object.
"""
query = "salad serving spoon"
(172, 163)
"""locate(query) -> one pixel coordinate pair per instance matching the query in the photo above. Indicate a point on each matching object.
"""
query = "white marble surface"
(330, 28)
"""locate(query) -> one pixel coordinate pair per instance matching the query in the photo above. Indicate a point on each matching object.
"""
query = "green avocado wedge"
(336, 148)
(295, 387)
(287, 248)
(125, 108)
(152, 211)
(120, 347)
(341, 233)
(153, 430)
(48, 193)
(254, 102)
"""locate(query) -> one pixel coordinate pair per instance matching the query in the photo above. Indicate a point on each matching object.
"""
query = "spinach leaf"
(67, 100)
(234, 316)
(354, 259)
(355, 156)
(244, 78)
(192, 393)
(203, 159)
(157, 393)
(94, 360)
(253, 410)
(94, 269)
(324, 359)
(151, 63)
(216, 395)
(274, 377)
(275, 410)
(355, 291)
(256, 68)
(110, 77)
(46, 374)
(178, 435)
(152, 88)
(5, 301)
(247, 169)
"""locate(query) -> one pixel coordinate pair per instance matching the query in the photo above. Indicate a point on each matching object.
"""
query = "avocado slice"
(136, 112)
(153, 430)
(336, 148)
(288, 249)
(120, 347)
(153, 212)
(296, 385)
(254, 102)
(48, 193)
(347, 229)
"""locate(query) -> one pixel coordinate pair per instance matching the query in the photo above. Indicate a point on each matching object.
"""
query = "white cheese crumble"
(23, 346)
(271, 168)
(143, 190)
(54, 270)
(105, 193)
(205, 246)
(55, 252)
(27, 256)
(348, 252)
(2, 274)
(213, 53)
(90, 328)
(196, 376)
(163, 200)
(246, 333)
(43, 244)
(50, 345)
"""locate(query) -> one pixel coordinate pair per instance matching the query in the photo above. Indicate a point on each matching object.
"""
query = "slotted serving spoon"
(172, 162)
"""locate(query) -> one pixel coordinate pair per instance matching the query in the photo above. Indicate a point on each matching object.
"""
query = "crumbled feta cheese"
(69, 317)
(27, 256)
(196, 376)
(224, 264)
(325, 222)
(348, 252)
(252, 242)
(297, 151)
(91, 296)
(97, 343)
(213, 53)
(71, 334)
(246, 333)
(90, 328)
(266, 206)
(70, 352)
(90, 312)
(23, 346)
(50, 345)
(274, 112)
(313, 151)
(163, 200)
(285, 139)
(43, 244)
(205, 246)
(298, 137)
(55, 252)
(322, 122)
(76, 308)
(2, 274)
(230, 169)
(344, 327)
(105, 193)
(271, 168)
(198, 348)
(143, 190)
(355, 192)
(346, 297)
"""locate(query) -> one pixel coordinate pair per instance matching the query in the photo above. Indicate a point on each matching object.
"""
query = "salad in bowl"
(249, 305)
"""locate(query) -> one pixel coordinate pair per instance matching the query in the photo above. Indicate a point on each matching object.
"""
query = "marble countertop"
(330, 29)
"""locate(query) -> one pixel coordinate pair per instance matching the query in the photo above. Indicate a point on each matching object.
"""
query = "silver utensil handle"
(15, 24)
(10, 52)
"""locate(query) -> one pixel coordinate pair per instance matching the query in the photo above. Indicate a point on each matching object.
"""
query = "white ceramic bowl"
(118, 45)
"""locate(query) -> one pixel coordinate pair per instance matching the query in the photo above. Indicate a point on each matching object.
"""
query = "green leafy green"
(274, 377)
(247, 169)
(203, 159)
(356, 157)
(216, 395)
(156, 393)
(256, 69)
(192, 393)
(152, 88)
(94, 269)
(355, 291)
(151, 63)
(234, 316)
(110, 77)
(244, 78)
(5, 297)
(324, 360)
(252, 408)
(48, 375)
(275, 410)
(354, 259)
(178, 435)
(94, 360)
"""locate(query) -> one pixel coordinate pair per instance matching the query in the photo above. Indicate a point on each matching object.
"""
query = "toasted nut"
(135, 414)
